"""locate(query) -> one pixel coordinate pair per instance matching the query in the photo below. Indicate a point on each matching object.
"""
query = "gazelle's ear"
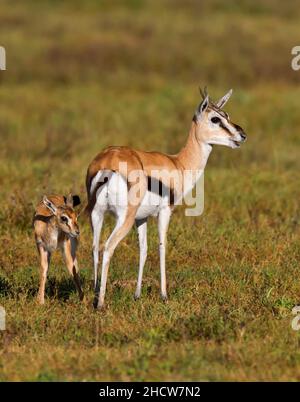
(49, 204)
(202, 107)
(221, 102)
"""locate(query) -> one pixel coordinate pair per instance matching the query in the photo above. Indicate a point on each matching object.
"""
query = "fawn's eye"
(215, 120)
(64, 219)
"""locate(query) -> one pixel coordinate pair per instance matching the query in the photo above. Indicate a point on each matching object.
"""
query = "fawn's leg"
(45, 261)
(69, 251)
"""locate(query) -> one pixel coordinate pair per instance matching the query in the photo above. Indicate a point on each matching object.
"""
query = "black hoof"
(95, 303)
(164, 298)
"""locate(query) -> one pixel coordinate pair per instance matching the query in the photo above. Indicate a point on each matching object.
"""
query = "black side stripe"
(158, 187)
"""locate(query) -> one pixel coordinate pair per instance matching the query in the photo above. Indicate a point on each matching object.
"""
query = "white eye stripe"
(224, 115)
(221, 113)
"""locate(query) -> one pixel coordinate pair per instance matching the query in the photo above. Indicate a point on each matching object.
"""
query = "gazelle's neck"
(194, 155)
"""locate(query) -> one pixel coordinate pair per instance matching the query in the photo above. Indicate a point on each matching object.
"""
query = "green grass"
(84, 75)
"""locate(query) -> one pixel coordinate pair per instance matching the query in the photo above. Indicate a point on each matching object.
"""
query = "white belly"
(151, 205)
(113, 196)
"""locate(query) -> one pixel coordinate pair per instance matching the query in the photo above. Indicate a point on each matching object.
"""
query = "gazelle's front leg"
(163, 223)
(142, 232)
(69, 247)
(45, 261)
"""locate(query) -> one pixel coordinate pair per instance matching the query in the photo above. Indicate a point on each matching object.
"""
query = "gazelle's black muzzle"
(241, 132)
(243, 136)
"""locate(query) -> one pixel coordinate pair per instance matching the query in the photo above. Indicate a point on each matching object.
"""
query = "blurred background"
(82, 75)
(85, 74)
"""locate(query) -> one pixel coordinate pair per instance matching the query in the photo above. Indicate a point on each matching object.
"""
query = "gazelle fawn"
(55, 226)
(109, 186)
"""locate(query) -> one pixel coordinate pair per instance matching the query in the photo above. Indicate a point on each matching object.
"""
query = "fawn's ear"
(72, 200)
(49, 204)
(76, 200)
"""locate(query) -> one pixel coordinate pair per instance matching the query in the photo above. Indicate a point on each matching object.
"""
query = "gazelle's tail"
(93, 184)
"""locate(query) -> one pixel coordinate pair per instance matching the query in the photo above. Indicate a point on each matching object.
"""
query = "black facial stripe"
(66, 222)
(224, 127)
(238, 128)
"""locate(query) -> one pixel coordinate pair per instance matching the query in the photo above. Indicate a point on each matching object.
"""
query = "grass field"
(84, 75)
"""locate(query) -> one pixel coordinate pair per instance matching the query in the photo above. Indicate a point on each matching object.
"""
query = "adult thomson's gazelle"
(134, 185)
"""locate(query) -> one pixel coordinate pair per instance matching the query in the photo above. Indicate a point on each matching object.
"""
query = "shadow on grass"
(58, 288)
(5, 287)
(62, 289)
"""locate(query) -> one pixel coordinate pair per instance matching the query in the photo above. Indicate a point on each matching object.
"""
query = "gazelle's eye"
(64, 219)
(215, 120)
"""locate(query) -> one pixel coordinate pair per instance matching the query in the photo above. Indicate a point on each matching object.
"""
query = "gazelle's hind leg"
(163, 223)
(97, 217)
(98, 192)
(142, 232)
(125, 220)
